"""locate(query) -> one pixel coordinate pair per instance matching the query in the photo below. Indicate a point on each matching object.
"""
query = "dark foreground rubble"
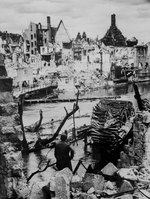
(129, 179)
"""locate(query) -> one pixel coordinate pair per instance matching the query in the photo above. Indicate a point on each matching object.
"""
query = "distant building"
(42, 40)
(9, 43)
(63, 41)
(114, 36)
(82, 45)
(142, 56)
(23, 74)
(120, 52)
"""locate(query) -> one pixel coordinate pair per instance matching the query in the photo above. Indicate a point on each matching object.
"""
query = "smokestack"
(113, 20)
(49, 29)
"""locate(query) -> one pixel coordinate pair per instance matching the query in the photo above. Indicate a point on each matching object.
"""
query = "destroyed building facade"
(46, 40)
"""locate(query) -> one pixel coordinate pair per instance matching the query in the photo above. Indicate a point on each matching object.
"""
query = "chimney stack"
(113, 20)
(49, 29)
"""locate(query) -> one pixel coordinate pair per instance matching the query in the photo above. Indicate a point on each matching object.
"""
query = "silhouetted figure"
(138, 97)
(63, 153)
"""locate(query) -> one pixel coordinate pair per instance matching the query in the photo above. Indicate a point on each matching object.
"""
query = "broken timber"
(110, 122)
(44, 100)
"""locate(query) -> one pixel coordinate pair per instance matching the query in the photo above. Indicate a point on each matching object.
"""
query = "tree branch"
(66, 110)
(75, 108)
(40, 171)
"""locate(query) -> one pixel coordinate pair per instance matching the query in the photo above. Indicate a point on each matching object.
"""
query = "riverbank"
(45, 100)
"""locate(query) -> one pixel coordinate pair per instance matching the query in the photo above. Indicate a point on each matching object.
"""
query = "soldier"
(63, 153)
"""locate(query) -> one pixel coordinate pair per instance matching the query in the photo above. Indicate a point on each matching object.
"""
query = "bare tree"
(43, 142)
(25, 147)
(36, 126)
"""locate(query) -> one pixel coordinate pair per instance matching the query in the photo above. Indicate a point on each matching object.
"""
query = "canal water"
(56, 111)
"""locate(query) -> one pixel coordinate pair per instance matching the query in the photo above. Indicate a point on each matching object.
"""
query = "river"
(57, 112)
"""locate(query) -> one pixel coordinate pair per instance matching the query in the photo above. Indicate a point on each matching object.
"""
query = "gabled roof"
(61, 22)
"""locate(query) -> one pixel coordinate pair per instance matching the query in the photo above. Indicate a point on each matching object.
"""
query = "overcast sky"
(91, 16)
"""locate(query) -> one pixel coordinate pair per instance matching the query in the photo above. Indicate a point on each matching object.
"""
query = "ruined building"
(114, 36)
(41, 39)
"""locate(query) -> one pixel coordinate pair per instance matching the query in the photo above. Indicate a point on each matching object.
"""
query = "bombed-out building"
(46, 40)
(120, 50)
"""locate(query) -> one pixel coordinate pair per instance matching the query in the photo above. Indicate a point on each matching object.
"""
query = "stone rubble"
(129, 180)
(13, 183)
(131, 177)
(132, 174)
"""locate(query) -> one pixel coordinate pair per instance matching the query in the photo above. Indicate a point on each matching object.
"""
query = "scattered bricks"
(11, 130)
(62, 188)
(124, 159)
(87, 196)
(119, 164)
(76, 183)
(11, 138)
(126, 196)
(143, 194)
(109, 169)
(8, 130)
(110, 188)
(16, 171)
(93, 180)
(109, 185)
(3, 71)
(91, 190)
(14, 160)
(6, 97)
(127, 173)
(92, 196)
(9, 121)
(8, 109)
(66, 172)
(6, 84)
(37, 192)
(62, 184)
(126, 186)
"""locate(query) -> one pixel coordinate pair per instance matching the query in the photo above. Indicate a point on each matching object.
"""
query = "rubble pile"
(132, 182)
(130, 179)
(112, 182)
(134, 150)
(12, 180)
(146, 104)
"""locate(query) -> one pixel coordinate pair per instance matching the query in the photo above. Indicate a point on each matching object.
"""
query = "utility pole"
(101, 61)
(101, 57)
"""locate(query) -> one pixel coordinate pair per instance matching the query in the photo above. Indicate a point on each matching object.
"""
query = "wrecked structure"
(128, 60)
(114, 36)
(53, 43)
(111, 123)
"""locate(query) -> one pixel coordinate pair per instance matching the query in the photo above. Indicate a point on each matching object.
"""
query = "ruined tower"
(113, 20)
(113, 36)
(49, 29)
